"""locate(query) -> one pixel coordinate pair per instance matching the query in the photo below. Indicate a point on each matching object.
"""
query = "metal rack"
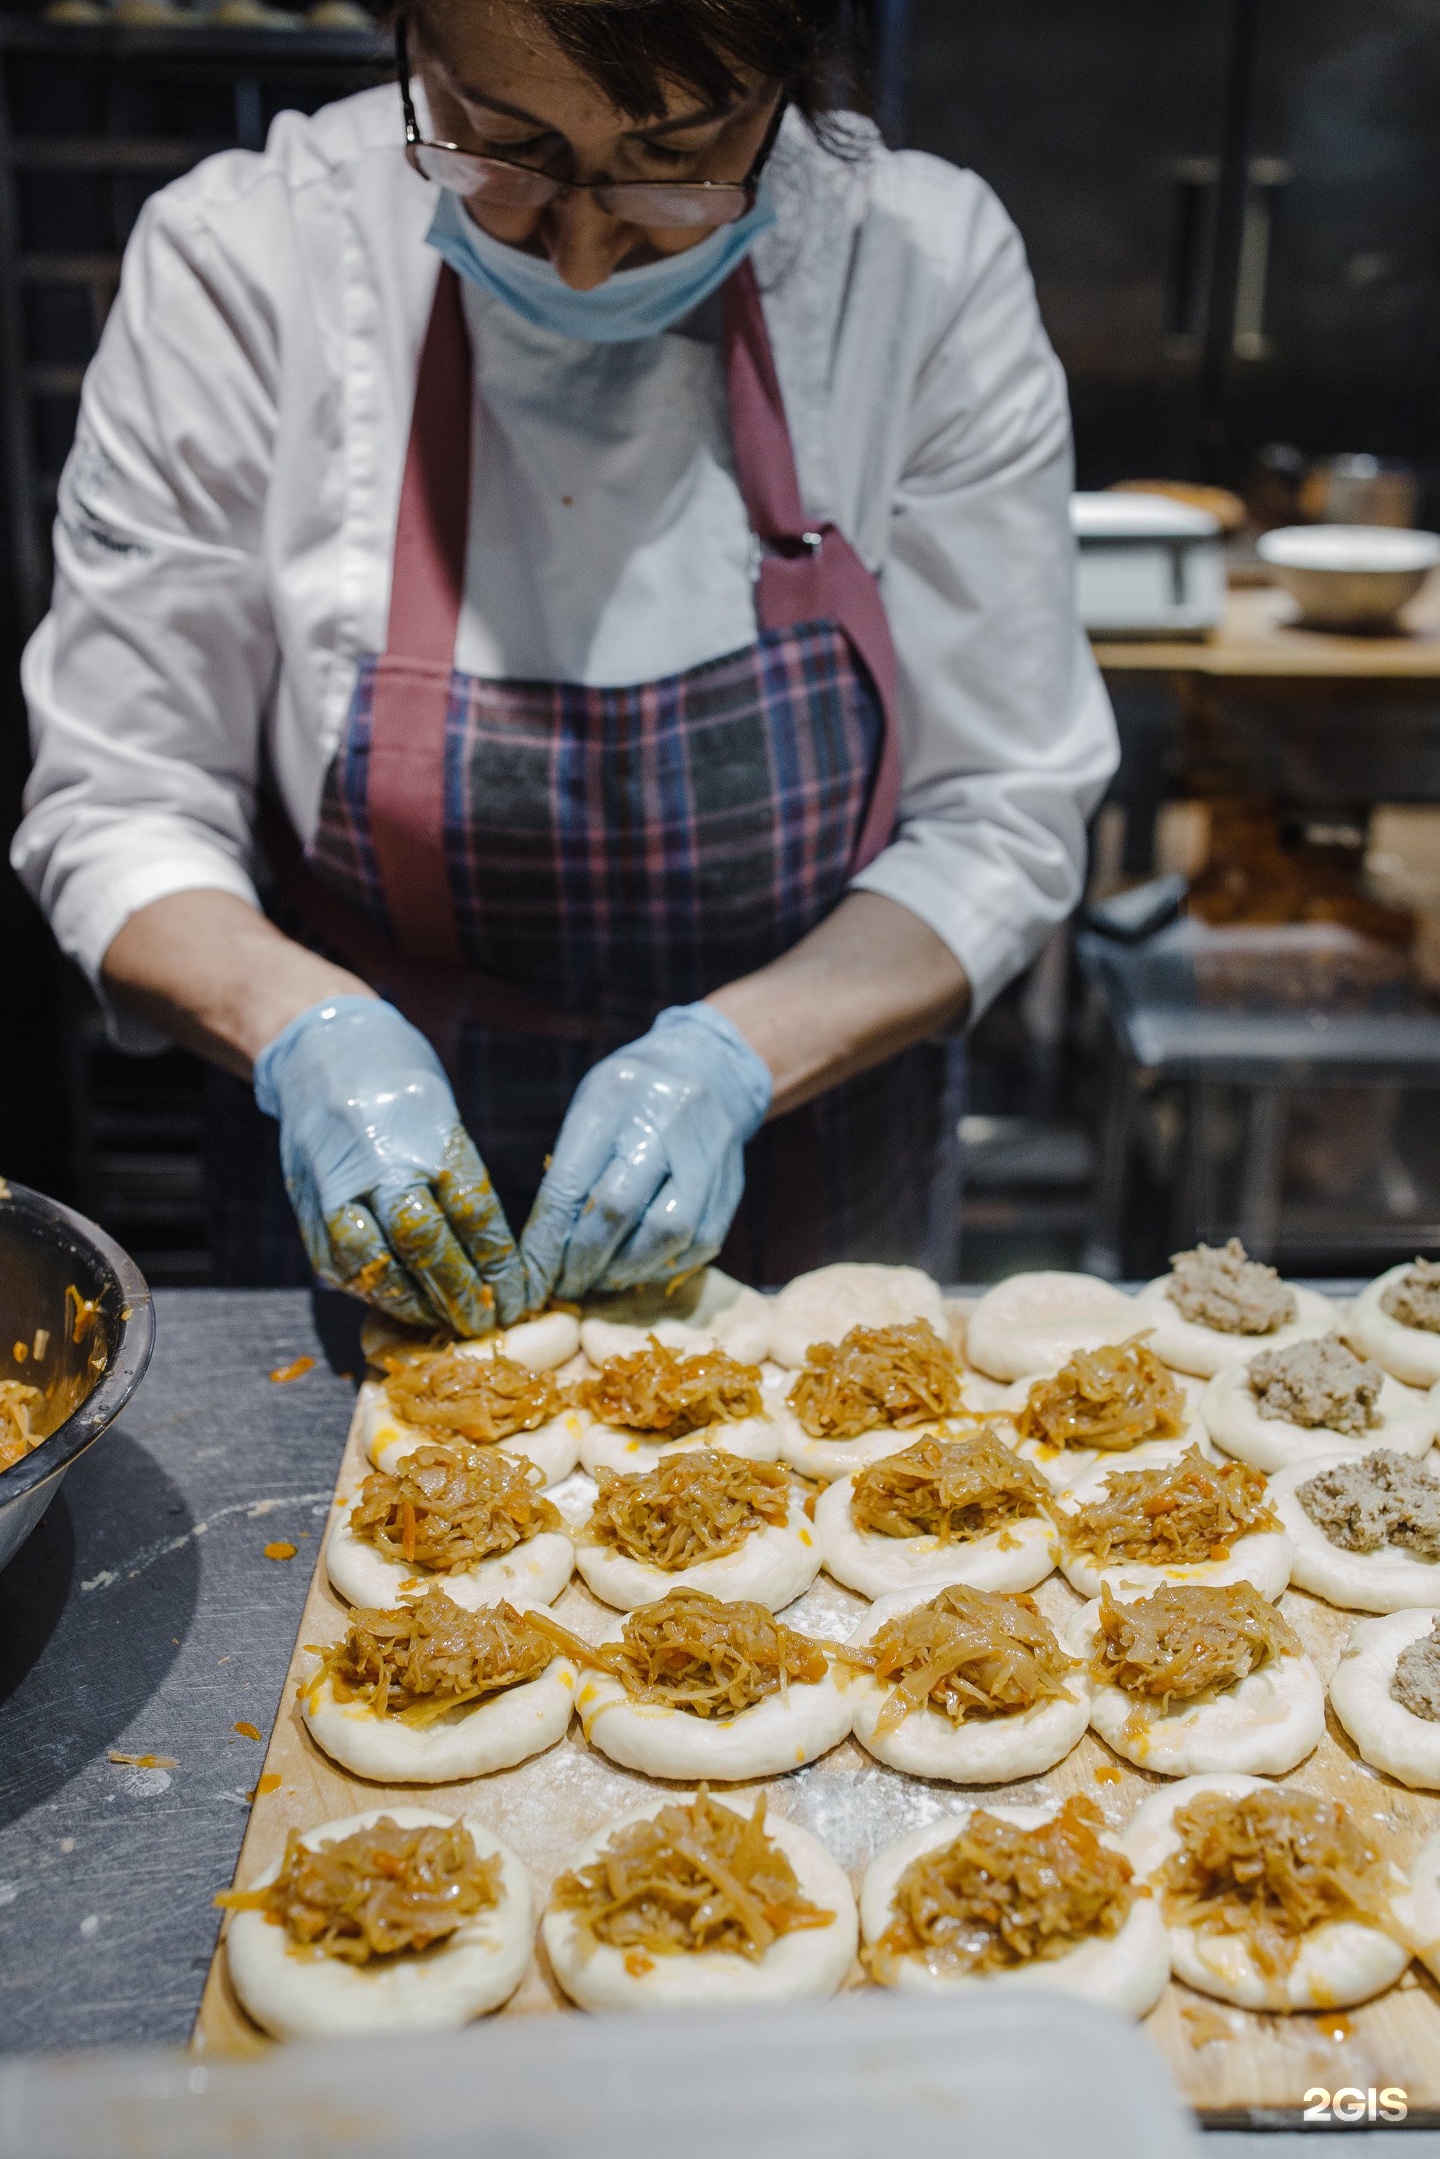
(92, 120)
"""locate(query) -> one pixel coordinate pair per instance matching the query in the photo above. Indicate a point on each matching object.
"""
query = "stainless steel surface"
(46, 1251)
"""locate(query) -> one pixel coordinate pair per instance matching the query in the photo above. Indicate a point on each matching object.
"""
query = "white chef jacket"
(227, 515)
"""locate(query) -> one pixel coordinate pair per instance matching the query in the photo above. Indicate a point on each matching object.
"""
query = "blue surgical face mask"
(631, 304)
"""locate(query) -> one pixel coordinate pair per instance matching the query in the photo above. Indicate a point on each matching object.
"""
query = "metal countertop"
(143, 1616)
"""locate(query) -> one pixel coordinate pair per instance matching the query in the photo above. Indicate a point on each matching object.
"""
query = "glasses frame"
(689, 190)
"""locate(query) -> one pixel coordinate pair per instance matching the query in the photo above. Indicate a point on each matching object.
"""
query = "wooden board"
(1228, 2063)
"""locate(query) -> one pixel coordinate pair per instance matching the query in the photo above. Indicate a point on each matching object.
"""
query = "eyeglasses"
(675, 204)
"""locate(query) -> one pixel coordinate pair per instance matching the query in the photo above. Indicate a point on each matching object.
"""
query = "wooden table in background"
(1259, 640)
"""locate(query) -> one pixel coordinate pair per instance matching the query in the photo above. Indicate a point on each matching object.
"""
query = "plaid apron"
(533, 870)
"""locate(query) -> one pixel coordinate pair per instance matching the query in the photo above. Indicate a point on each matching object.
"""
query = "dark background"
(1135, 145)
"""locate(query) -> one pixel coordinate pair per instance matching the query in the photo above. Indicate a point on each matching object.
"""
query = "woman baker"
(563, 667)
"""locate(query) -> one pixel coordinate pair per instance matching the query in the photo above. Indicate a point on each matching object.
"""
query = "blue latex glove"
(648, 1169)
(393, 1202)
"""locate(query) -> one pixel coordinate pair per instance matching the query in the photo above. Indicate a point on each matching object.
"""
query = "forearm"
(217, 977)
(868, 982)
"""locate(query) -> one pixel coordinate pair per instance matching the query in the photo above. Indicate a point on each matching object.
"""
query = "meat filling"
(955, 1490)
(1416, 1682)
(1187, 1639)
(1318, 1383)
(1384, 1499)
(688, 1508)
(1107, 1398)
(667, 1396)
(901, 1376)
(998, 1896)
(18, 1436)
(1270, 1866)
(482, 1399)
(1188, 1512)
(1225, 1290)
(380, 1892)
(448, 1507)
(966, 1653)
(425, 1659)
(1415, 1299)
(696, 1652)
(694, 1879)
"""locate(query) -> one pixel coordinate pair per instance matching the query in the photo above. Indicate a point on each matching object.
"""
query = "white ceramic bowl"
(1349, 577)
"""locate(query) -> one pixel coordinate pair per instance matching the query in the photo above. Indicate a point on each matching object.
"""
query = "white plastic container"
(1147, 566)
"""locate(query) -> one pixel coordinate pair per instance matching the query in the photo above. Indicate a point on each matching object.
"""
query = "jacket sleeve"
(147, 681)
(1007, 735)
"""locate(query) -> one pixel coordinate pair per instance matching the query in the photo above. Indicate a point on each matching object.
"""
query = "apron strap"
(809, 572)
(410, 699)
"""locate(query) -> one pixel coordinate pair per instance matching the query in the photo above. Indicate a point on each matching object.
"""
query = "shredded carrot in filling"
(693, 1879)
(688, 1508)
(901, 1375)
(380, 1892)
(955, 1490)
(1187, 1638)
(1268, 1867)
(966, 1653)
(1107, 1398)
(695, 1652)
(666, 1396)
(998, 1896)
(18, 1436)
(448, 1507)
(423, 1660)
(1191, 1511)
(482, 1399)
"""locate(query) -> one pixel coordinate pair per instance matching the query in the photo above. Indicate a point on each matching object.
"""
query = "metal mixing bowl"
(46, 1251)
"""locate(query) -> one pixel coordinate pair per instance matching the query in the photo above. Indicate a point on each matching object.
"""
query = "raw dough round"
(825, 1305)
(1338, 1964)
(1033, 1322)
(983, 1750)
(611, 1446)
(554, 1448)
(711, 1304)
(1125, 1971)
(604, 1339)
(1420, 1907)
(297, 1996)
(1262, 1726)
(1190, 1347)
(824, 1460)
(1262, 1558)
(808, 1965)
(541, 1345)
(774, 1565)
(1411, 1354)
(1388, 1735)
(1064, 1467)
(1016, 1557)
(470, 1742)
(783, 1732)
(1390, 1580)
(1409, 1423)
(530, 1573)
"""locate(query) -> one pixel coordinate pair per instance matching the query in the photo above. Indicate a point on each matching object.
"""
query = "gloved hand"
(393, 1202)
(648, 1169)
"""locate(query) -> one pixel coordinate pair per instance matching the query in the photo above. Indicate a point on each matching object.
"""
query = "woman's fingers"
(474, 1212)
(616, 1206)
(423, 1241)
(360, 1261)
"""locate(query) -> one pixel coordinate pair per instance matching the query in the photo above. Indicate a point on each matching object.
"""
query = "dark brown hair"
(634, 50)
